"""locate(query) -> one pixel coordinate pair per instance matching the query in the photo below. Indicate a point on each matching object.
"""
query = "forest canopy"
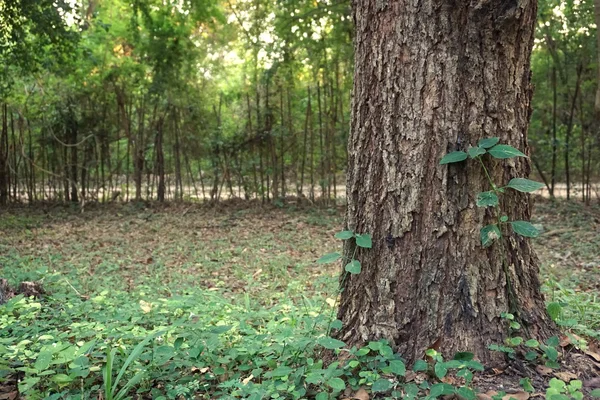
(233, 98)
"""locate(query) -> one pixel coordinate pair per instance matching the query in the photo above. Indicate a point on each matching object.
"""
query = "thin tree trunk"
(4, 157)
(554, 140)
(570, 130)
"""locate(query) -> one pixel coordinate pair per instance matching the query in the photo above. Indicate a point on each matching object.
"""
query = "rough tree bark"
(432, 77)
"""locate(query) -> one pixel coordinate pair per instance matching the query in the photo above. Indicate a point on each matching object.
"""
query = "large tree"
(432, 77)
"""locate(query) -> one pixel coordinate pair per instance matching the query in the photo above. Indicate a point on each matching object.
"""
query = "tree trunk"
(430, 79)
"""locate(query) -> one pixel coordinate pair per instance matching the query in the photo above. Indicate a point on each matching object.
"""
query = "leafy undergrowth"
(183, 302)
(569, 250)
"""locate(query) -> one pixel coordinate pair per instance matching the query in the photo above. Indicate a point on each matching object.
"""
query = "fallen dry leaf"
(9, 395)
(543, 370)
(565, 376)
(594, 355)
(361, 394)
(516, 396)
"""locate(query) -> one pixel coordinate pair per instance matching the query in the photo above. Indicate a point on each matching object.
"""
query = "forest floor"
(118, 271)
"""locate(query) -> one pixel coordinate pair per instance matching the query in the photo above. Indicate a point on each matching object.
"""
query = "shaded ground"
(263, 255)
(266, 252)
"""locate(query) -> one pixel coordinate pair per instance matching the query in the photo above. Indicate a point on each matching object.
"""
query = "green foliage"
(492, 232)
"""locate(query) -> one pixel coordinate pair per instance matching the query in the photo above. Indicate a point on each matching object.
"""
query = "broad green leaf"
(455, 156)
(336, 384)
(440, 370)
(344, 235)
(62, 378)
(331, 343)
(488, 234)
(554, 310)
(336, 324)
(441, 389)
(162, 354)
(525, 228)
(353, 267)
(364, 240)
(595, 393)
(381, 385)
(476, 151)
(420, 365)
(475, 365)
(43, 361)
(488, 142)
(487, 199)
(27, 384)
(532, 343)
(503, 151)
(397, 367)
(329, 258)
(464, 356)
(466, 393)
(321, 396)
(531, 355)
(217, 330)
(281, 371)
(524, 185)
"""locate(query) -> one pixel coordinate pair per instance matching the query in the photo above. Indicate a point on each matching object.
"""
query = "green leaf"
(504, 151)
(353, 267)
(595, 393)
(515, 341)
(420, 365)
(488, 234)
(488, 142)
(134, 355)
(336, 384)
(43, 361)
(344, 235)
(321, 396)
(163, 354)
(364, 240)
(526, 385)
(551, 353)
(27, 384)
(329, 258)
(503, 218)
(61, 378)
(441, 389)
(476, 151)
(336, 324)
(397, 367)
(440, 370)
(487, 199)
(524, 185)
(524, 228)
(463, 356)
(466, 393)
(554, 310)
(455, 156)
(281, 371)
(532, 343)
(381, 385)
(531, 355)
(331, 343)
